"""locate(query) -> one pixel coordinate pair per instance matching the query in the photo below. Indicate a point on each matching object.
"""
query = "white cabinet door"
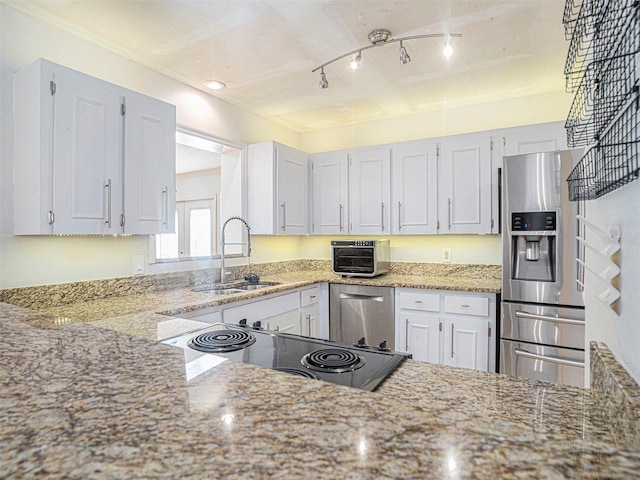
(310, 321)
(277, 190)
(286, 322)
(292, 188)
(414, 189)
(369, 191)
(466, 343)
(87, 175)
(464, 184)
(422, 336)
(149, 160)
(330, 193)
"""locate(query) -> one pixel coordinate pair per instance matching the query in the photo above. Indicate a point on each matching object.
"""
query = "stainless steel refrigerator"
(542, 315)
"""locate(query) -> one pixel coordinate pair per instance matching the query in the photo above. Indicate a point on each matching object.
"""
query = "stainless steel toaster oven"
(360, 258)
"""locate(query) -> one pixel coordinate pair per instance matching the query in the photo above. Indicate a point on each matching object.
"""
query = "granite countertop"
(87, 392)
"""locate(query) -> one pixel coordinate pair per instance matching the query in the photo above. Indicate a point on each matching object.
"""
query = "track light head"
(355, 61)
(323, 80)
(404, 56)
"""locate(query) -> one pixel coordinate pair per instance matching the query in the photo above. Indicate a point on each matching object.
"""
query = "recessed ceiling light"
(215, 84)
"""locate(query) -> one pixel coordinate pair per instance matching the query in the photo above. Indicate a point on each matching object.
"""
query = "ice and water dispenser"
(533, 237)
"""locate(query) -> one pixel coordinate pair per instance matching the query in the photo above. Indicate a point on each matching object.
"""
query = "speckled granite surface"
(87, 392)
(86, 402)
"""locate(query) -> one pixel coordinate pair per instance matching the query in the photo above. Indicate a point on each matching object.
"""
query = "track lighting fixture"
(379, 38)
(404, 56)
(323, 79)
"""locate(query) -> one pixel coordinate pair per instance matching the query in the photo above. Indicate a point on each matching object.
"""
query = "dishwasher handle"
(357, 296)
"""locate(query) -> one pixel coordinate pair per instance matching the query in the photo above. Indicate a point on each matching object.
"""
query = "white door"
(292, 187)
(422, 336)
(149, 165)
(330, 193)
(464, 184)
(414, 189)
(466, 343)
(87, 166)
(287, 322)
(369, 191)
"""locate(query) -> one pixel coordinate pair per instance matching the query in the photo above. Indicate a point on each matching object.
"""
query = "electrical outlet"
(446, 255)
(138, 264)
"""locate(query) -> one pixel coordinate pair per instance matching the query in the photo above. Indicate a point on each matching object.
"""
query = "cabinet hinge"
(122, 219)
(123, 109)
(437, 150)
(492, 223)
(489, 330)
(438, 225)
(504, 141)
(52, 87)
(491, 144)
(440, 326)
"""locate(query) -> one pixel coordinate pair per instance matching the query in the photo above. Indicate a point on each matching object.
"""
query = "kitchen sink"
(233, 289)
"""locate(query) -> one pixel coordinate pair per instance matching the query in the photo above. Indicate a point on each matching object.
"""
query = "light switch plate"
(446, 255)
(138, 264)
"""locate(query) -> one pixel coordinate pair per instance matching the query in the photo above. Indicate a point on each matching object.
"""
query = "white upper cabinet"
(149, 164)
(369, 191)
(277, 189)
(70, 146)
(464, 184)
(414, 189)
(330, 192)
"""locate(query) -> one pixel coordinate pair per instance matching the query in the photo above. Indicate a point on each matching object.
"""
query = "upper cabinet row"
(90, 157)
(447, 185)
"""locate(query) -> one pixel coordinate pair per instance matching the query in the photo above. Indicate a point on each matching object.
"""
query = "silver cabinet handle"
(399, 216)
(108, 187)
(383, 217)
(544, 358)
(341, 217)
(533, 316)
(52, 217)
(406, 334)
(449, 214)
(165, 196)
(284, 216)
(309, 324)
(452, 331)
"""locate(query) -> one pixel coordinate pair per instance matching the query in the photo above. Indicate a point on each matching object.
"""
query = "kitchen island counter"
(79, 401)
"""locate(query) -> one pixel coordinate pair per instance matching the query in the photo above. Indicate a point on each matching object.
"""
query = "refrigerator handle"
(544, 358)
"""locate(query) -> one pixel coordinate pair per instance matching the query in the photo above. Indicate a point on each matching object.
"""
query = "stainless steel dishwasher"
(357, 311)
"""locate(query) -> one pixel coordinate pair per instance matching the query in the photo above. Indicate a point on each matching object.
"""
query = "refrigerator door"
(543, 324)
(541, 362)
(535, 193)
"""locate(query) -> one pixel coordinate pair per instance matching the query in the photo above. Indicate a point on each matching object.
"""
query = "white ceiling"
(264, 51)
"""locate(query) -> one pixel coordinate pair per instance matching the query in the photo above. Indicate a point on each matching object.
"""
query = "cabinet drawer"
(466, 305)
(261, 309)
(426, 302)
(309, 296)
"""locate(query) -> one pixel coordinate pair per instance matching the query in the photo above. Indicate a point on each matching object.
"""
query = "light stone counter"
(87, 392)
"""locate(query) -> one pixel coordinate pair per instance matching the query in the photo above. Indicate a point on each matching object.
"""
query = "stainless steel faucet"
(223, 274)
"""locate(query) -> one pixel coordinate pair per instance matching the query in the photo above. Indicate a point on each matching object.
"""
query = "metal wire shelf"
(597, 32)
(606, 87)
(570, 16)
(613, 162)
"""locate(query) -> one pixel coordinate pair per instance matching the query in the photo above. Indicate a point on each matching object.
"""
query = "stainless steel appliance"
(313, 358)
(360, 258)
(542, 319)
(361, 314)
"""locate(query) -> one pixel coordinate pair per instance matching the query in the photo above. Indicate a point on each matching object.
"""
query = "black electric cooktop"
(357, 366)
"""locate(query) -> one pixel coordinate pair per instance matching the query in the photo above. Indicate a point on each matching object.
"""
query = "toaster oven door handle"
(544, 358)
(356, 296)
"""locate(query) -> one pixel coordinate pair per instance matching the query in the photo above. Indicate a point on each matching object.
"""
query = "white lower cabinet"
(310, 312)
(286, 322)
(452, 328)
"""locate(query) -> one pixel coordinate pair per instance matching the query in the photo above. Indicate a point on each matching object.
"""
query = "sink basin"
(233, 289)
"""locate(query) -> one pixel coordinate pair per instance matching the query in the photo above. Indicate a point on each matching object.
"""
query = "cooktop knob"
(383, 346)
(257, 325)
(361, 343)
(243, 322)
